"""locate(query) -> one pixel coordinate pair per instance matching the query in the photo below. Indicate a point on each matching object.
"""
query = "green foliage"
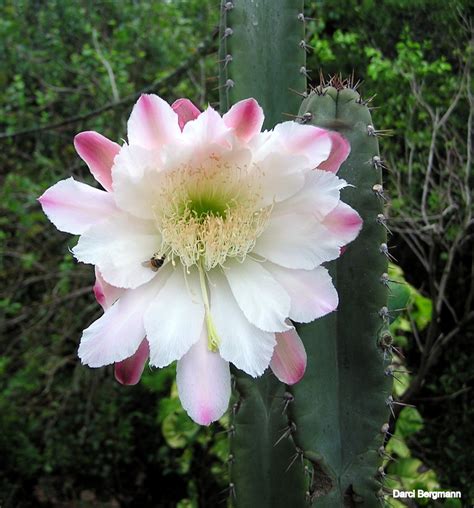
(69, 434)
(393, 53)
(407, 472)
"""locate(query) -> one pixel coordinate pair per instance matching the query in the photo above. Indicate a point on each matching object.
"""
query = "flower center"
(209, 213)
(202, 207)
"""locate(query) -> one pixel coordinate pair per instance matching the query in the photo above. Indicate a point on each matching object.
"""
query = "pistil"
(213, 340)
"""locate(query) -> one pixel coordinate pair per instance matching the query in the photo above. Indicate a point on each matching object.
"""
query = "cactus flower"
(208, 241)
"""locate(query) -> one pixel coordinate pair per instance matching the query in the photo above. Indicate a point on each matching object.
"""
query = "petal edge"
(73, 207)
(245, 118)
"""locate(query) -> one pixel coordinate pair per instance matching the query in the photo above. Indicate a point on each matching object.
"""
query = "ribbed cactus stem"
(342, 404)
(334, 421)
(261, 57)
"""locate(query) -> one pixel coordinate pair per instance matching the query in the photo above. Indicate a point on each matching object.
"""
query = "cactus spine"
(333, 420)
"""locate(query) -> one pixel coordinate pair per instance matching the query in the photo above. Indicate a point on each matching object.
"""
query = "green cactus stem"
(261, 56)
(335, 419)
(340, 407)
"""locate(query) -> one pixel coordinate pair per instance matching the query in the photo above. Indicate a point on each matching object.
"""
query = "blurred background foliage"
(71, 436)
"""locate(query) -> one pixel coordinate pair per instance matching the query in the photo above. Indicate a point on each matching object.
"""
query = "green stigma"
(204, 206)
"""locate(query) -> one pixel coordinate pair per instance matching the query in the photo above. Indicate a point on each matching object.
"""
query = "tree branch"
(203, 49)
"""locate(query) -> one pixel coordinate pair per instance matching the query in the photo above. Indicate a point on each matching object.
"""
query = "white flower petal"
(319, 195)
(73, 207)
(208, 128)
(152, 123)
(118, 333)
(174, 319)
(262, 300)
(297, 241)
(246, 346)
(283, 176)
(119, 246)
(203, 380)
(292, 138)
(299, 139)
(137, 180)
(312, 292)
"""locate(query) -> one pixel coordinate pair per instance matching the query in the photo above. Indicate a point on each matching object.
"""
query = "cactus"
(333, 421)
(260, 57)
(340, 406)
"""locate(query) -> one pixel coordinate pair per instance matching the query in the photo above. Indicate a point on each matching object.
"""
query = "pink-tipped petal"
(129, 371)
(203, 379)
(118, 333)
(340, 150)
(152, 123)
(98, 153)
(185, 110)
(245, 118)
(289, 357)
(73, 207)
(343, 222)
(105, 294)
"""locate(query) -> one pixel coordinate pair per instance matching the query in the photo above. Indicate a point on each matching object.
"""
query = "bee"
(155, 263)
